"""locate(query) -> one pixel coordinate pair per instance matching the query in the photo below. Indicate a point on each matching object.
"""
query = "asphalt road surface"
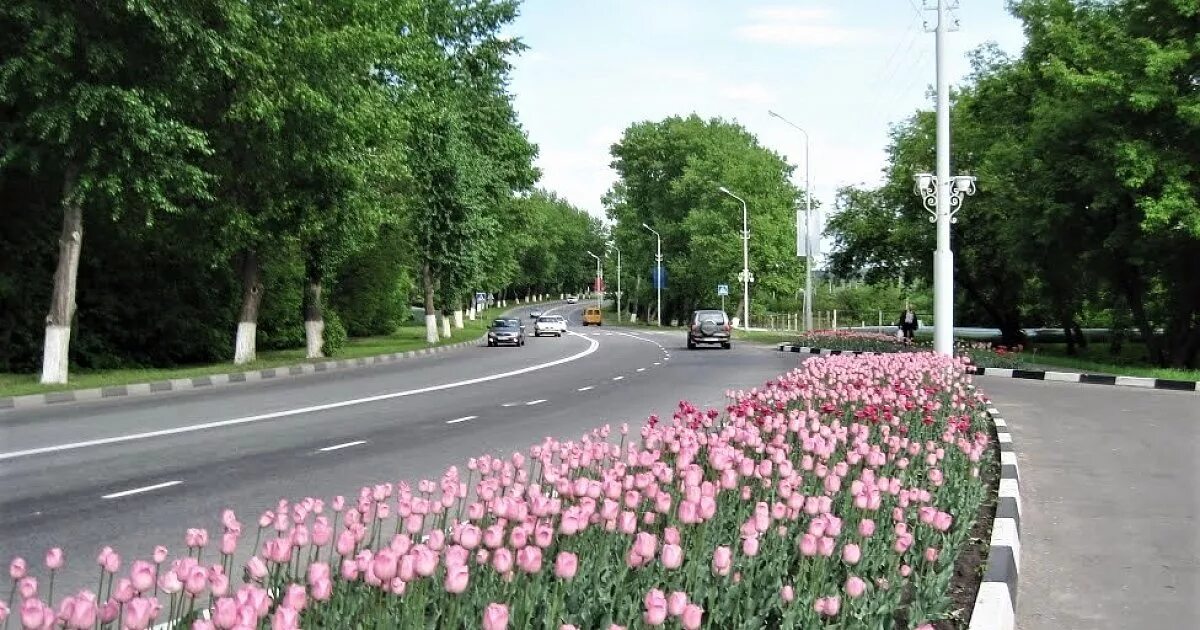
(134, 473)
(1110, 492)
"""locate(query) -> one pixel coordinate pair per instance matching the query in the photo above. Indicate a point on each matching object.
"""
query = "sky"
(842, 70)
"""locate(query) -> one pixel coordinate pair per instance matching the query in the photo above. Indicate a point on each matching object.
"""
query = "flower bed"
(839, 495)
(981, 354)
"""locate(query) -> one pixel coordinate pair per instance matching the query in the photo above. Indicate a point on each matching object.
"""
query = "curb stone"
(1037, 375)
(996, 603)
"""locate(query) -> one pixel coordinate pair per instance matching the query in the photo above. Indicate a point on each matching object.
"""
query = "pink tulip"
(139, 612)
(346, 543)
(349, 570)
(285, 619)
(645, 544)
(83, 613)
(866, 528)
(566, 564)
(931, 554)
(195, 581)
(787, 594)
(35, 614)
(295, 597)
(16, 568)
(54, 559)
(722, 560)
(109, 560)
(495, 617)
(502, 560)
(457, 577)
(672, 556)
(750, 547)
(27, 586)
(656, 608)
(124, 591)
(225, 613)
(692, 616)
(529, 559)
(170, 583)
(855, 586)
(384, 565)
(322, 590)
(942, 521)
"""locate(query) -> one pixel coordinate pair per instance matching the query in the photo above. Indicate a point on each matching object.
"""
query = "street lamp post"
(942, 197)
(618, 282)
(745, 257)
(807, 247)
(657, 272)
(599, 282)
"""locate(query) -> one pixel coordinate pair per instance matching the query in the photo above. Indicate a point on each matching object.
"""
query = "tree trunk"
(458, 318)
(1069, 331)
(1080, 339)
(445, 326)
(55, 351)
(431, 331)
(244, 349)
(314, 317)
(1133, 296)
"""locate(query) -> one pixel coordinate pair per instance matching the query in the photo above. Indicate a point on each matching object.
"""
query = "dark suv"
(708, 326)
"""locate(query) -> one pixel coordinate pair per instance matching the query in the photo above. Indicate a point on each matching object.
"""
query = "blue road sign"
(722, 289)
(658, 280)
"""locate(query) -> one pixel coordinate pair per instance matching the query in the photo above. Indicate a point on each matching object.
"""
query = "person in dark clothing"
(908, 323)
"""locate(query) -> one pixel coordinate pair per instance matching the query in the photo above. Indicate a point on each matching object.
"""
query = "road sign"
(722, 289)
(481, 298)
(658, 280)
(742, 276)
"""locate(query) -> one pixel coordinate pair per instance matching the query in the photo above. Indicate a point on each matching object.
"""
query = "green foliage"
(669, 174)
(1086, 153)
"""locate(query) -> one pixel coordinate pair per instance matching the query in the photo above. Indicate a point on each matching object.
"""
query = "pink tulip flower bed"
(839, 495)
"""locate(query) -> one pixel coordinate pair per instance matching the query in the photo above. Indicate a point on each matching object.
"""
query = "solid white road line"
(535, 402)
(338, 447)
(593, 345)
(157, 486)
(462, 419)
(617, 378)
(584, 389)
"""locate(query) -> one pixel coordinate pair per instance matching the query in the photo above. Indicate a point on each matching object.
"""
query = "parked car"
(506, 332)
(550, 325)
(572, 299)
(709, 327)
(591, 317)
(535, 313)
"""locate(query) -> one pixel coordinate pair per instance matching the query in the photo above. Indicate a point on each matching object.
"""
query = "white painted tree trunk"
(458, 318)
(314, 334)
(431, 331)
(54, 354)
(471, 313)
(244, 346)
(446, 327)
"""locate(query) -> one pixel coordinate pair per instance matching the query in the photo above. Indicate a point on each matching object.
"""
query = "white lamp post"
(807, 247)
(618, 249)
(657, 272)
(599, 282)
(745, 256)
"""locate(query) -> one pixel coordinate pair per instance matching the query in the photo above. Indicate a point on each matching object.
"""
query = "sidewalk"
(1110, 486)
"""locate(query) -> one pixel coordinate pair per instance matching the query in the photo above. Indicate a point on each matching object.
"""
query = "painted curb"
(33, 401)
(1038, 375)
(996, 603)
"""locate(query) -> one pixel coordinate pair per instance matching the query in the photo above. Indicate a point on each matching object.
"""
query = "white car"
(550, 325)
(571, 299)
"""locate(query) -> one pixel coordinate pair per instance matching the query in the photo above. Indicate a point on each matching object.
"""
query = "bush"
(335, 336)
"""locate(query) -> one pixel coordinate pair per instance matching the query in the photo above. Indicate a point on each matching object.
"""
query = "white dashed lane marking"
(584, 389)
(462, 419)
(157, 486)
(641, 369)
(535, 402)
(617, 378)
(337, 447)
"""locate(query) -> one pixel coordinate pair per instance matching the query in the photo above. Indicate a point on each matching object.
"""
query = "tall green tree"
(98, 98)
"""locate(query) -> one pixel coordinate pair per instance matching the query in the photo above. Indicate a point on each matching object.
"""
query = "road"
(1110, 492)
(134, 473)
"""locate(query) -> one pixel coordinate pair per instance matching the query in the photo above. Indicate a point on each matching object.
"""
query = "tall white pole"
(745, 258)
(943, 258)
(657, 271)
(808, 259)
(618, 283)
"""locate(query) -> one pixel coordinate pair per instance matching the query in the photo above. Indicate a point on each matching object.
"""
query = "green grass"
(404, 339)
(1096, 359)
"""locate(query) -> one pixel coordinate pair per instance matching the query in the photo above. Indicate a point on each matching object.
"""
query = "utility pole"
(657, 272)
(942, 195)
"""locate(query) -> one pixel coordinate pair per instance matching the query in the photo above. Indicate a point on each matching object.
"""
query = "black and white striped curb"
(217, 380)
(787, 347)
(996, 603)
(1093, 379)
(1037, 375)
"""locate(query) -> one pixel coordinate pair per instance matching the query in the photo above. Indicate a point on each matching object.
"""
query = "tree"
(669, 173)
(97, 97)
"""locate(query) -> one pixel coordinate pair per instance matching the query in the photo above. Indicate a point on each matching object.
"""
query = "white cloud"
(752, 92)
(798, 26)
